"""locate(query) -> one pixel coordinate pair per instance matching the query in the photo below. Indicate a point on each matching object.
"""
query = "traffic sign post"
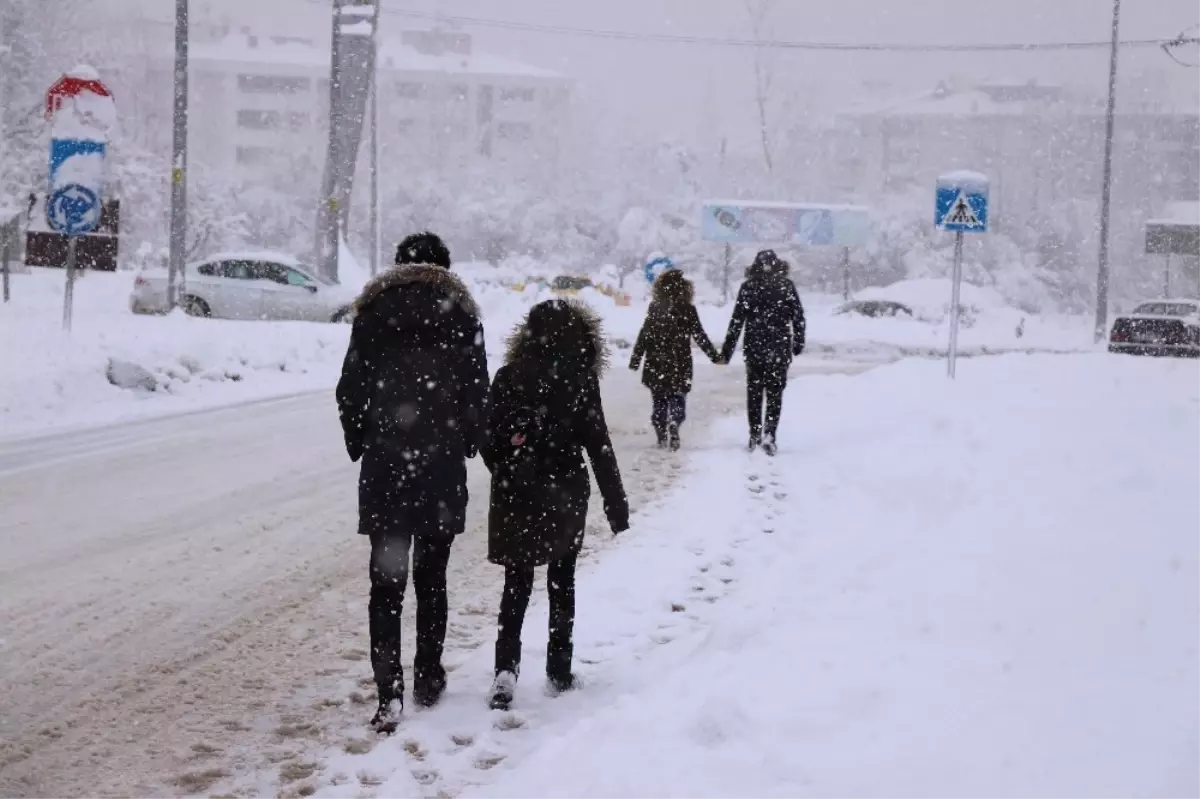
(80, 110)
(960, 206)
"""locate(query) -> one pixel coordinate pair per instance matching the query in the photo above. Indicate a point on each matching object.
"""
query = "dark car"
(875, 308)
(1162, 327)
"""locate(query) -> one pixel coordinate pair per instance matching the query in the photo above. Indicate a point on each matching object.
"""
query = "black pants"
(765, 380)
(518, 585)
(433, 538)
(670, 410)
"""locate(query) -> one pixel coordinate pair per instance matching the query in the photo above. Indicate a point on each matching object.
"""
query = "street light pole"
(374, 125)
(178, 234)
(1106, 187)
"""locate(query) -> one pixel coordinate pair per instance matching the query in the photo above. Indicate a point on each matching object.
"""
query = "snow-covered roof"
(1179, 213)
(253, 255)
(394, 56)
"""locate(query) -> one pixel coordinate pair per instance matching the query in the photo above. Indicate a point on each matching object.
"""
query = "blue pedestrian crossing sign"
(73, 210)
(961, 204)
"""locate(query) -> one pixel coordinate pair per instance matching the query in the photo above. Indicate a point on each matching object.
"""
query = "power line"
(775, 44)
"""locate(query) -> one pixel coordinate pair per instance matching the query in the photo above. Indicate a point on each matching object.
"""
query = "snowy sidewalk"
(986, 587)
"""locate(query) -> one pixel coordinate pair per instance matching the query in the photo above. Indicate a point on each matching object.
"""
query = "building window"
(258, 120)
(516, 95)
(272, 84)
(250, 156)
(410, 91)
(458, 92)
(298, 120)
(514, 131)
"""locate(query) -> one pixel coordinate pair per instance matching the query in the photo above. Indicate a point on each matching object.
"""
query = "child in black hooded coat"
(545, 412)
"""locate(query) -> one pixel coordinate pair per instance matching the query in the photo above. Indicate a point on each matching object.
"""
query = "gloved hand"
(619, 526)
(798, 349)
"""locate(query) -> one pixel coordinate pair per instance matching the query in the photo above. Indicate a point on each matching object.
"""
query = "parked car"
(246, 286)
(875, 308)
(570, 284)
(1162, 327)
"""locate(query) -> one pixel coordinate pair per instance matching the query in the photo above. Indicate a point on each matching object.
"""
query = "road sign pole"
(1101, 331)
(845, 273)
(374, 125)
(955, 302)
(725, 269)
(1167, 279)
(178, 234)
(69, 291)
(8, 231)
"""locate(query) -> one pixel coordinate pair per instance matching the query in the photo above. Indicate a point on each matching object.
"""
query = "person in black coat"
(412, 400)
(769, 308)
(665, 341)
(545, 413)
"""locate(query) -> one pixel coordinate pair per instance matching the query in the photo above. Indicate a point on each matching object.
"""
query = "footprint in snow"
(462, 739)
(425, 776)
(487, 761)
(509, 721)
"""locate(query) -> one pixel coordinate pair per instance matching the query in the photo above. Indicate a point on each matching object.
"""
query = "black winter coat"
(768, 305)
(413, 393)
(553, 367)
(666, 336)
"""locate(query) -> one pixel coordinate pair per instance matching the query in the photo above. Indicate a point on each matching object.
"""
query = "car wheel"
(194, 306)
(343, 316)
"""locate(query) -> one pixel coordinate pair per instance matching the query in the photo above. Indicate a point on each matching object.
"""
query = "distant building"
(261, 102)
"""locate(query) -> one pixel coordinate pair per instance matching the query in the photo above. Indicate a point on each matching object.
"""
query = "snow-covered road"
(182, 597)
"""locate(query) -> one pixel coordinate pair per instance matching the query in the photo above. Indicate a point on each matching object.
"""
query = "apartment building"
(260, 103)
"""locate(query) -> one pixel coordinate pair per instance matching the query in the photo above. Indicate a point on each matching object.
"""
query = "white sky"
(693, 92)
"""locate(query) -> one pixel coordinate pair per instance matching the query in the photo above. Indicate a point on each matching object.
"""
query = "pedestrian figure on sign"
(412, 400)
(769, 308)
(545, 413)
(665, 341)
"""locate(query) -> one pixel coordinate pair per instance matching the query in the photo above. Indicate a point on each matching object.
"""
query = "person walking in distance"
(545, 413)
(412, 400)
(769, 308)
(665, 341)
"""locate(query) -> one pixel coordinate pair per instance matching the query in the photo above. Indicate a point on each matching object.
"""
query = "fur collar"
(439, 279)
(671, 287)
(556, 341)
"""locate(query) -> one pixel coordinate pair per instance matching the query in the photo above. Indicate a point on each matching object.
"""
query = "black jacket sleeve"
(473, 401)
(604, 461)
(639, 348)
(354, 392)
(740, 312)
(492, 447)
(697, 332)
(799, 326)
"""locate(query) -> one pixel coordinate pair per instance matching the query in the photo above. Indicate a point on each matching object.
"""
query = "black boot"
(558, 666)
(660, 434)
(768, 445)
(391, 707)
(755, 442)
(429, 683)
(673, 442)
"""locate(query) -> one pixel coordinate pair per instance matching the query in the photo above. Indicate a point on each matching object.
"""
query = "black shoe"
(503, 687)
(561, 683)
(769, 446)
(755, 443)
(673, 441)
(428, 685)
(387, 716)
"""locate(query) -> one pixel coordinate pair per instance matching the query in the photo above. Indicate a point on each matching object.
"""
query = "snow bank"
(116, 365)
(980, 587)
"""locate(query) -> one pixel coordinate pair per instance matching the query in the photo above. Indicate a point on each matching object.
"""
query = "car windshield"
(311, 274)
(1165, 309)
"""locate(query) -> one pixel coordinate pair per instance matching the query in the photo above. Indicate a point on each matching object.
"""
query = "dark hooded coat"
(553, 364)
(666, 336)
(769, 308)
(413, 392)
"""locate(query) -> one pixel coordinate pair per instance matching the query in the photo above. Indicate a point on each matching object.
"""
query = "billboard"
(796, 224)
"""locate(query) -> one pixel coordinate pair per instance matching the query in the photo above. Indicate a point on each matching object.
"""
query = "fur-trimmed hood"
(563, 330)
(441, 280)
(673, 288)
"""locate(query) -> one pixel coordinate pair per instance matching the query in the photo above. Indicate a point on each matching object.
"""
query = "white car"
(246, 286)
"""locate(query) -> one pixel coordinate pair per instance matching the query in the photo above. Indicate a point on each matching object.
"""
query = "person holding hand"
(546, 412)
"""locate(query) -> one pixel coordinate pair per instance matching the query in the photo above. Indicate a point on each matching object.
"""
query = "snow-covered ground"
(53, 380)
(986, 587)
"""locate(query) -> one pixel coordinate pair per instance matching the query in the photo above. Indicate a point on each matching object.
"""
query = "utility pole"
(374, 124)
(1106, 187)
(178, 234)
(328, 218)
